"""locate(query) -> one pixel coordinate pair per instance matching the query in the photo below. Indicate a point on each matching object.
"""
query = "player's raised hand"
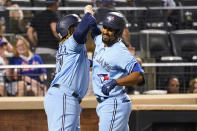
(88, 8)
(109, 86)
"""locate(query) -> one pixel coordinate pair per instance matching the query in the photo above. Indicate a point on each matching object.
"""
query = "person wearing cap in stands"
(42, 30)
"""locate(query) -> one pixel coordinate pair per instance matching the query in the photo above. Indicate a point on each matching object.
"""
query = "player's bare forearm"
(53, 28)
(132, 79)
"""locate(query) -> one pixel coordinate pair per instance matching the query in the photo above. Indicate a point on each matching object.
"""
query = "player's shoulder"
(71, 43)
(68, 41)
(121, 45)
(98, 41)
(98, 38)
(122, 50)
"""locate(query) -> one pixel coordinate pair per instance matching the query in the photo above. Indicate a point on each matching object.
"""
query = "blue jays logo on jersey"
(110, 18)
(103, 77)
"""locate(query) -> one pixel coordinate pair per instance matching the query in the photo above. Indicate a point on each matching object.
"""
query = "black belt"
(100, 98)
(73, 94)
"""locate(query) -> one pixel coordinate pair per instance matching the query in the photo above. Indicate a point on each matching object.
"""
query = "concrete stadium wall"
(27, 114)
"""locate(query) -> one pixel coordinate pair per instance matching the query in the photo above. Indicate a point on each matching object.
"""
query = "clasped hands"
(88, 9)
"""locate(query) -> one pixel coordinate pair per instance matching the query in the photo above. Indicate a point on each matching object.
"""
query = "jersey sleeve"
(137, 68)
(81, 31)
(95, 31)
(129, 64)
(127, 61)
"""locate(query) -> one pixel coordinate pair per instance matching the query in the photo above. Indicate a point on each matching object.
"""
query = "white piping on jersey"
(114, 115)
(64, 110)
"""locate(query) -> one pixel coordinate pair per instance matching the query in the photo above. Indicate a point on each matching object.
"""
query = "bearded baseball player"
(62, 101)
(114, 67)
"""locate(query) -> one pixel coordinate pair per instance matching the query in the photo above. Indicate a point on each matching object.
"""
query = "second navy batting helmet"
(65, 23)
(116, 21)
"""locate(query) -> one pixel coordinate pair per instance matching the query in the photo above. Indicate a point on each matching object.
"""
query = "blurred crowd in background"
(156, 32)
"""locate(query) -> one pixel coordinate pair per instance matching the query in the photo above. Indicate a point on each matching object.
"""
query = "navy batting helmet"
(65, 22)
(116, 21)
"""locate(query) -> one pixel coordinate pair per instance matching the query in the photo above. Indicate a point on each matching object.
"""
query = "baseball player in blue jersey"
(114, 67)
(62, 101)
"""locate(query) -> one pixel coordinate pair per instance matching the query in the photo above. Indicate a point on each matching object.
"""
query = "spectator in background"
(8, 47)
(15, 18)
(42, 30)
(3, 61)
(169, 3)
(172, 14)
(172, 85)
(30, 81)
(193, 86)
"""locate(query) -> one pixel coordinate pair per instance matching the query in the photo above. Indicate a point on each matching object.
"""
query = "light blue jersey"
(71, 82)
(112, 63)
(72, 68)
(109, 64)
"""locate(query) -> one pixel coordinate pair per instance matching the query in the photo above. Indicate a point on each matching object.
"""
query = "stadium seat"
(135, 40)
(163, 73)
(184, 43)
(154, 43)
(150, 18)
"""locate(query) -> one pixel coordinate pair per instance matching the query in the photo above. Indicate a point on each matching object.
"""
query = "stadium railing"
(155, 80)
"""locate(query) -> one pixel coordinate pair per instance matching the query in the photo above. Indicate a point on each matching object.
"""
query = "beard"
(108, 40)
